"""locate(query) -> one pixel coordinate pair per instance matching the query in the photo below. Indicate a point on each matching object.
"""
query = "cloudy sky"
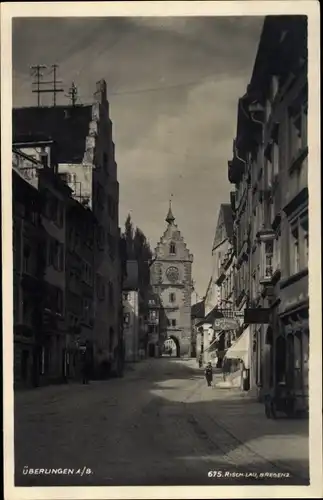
(173, 85)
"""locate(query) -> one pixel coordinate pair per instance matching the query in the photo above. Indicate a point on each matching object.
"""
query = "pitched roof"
(66, 125)
(227, 218)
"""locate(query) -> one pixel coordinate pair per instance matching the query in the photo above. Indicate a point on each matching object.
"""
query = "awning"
(211, 346)
(209, 318)
(240, 349)
(216, 339)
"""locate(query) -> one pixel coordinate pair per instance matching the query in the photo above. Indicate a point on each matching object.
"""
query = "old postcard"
(161, 249)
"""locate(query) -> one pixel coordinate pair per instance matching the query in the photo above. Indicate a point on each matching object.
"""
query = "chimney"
(100, 95)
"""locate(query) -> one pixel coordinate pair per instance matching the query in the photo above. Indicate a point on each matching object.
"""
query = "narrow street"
(159, 425)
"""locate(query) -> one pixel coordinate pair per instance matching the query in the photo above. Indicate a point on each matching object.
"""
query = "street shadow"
(216, 419)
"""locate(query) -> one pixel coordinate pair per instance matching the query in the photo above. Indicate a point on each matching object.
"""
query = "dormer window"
(172, 248)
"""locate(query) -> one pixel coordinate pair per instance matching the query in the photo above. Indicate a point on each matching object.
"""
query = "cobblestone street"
(160, 424)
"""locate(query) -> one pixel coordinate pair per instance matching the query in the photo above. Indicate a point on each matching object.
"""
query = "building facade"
(130, 302)
(85, 156)
(41, 303)
(28, 273)
(131, 325)
(269, 171)
(222, 247)
(171, 281)
(80, 291)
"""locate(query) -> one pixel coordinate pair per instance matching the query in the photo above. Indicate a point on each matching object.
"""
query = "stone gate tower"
(171, 280)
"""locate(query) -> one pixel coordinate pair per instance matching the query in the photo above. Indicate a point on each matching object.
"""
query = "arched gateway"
(171, 280)
(174, 344)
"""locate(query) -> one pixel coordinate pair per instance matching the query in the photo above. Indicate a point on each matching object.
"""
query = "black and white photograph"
(160, 232)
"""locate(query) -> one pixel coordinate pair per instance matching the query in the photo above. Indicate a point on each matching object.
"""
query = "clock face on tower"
(172, 273)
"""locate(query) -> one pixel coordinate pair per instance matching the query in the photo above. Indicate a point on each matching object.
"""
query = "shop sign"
(256, 316)
(225, 324)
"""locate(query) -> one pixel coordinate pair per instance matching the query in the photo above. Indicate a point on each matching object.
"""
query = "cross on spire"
(170, 217)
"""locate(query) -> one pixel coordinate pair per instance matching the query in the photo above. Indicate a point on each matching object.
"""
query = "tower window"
(173, 322)
(172, 297)
(172, 249)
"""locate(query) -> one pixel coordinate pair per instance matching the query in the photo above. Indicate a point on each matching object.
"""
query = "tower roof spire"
(170, 217)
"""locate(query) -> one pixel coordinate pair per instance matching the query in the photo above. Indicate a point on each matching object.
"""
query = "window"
(111, 245)
(274, 87)
(111, 296)
(126, 318)
(297, 129)
(172, 297)
(152, 316)
(100, 287)
(275, 160)
(105, 163)
(304, 238)
(125, 296)
(295, 250)
(26, 259)
(59, 301)
(306, 248)
(269, 258)
(99, 195)
(173, 322)
(172, 248)
(55, 254)
(101, 238)
(27, 310)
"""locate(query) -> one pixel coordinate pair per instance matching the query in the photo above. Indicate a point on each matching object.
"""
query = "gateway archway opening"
(171, 347)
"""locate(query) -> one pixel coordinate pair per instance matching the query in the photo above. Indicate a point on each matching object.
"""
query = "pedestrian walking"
(200, 361)
(85, 369)
(209, 374)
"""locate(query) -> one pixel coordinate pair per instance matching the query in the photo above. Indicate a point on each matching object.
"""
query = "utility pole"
(36, 72)
(54, 89)
(72, 94)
